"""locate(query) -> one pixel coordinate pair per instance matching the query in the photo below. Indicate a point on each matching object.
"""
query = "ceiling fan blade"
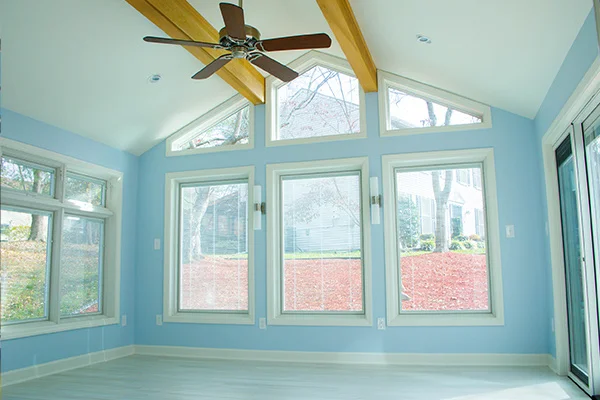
(233, 16)
(213, 67)
(154, 39)
(273, 67)
(300, 42)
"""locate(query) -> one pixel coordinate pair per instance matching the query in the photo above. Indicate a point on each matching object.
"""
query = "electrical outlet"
(262, 323)
(510, 231)
(124, 320)
(381, 324)
(156, 244)
(158, 319)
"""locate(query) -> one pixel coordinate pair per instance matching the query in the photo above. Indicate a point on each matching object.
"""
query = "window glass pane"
(214, 247)
(408, 111)
(322, 240)
(26, 176)
(443, 263)
(81, 266)
(231, 131)
(320, 102)
(25, 256)
(82, 189)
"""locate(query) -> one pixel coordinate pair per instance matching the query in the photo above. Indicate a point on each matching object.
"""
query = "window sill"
(320, 320)
(210, 318)
(17, 331)
(449, 319)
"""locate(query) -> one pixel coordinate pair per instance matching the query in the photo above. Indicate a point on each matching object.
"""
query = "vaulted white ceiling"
(82, 66)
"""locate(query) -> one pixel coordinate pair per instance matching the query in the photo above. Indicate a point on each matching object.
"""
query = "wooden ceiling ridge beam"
(180, 20)
(341, 20)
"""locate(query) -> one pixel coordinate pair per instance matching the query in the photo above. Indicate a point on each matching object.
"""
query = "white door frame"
(582, 101)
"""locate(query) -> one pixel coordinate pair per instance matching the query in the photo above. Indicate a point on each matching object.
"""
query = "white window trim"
(302, 64)
(212, 117)
(387, 80)
(112, 241)
(170, 309)
(274, 306)
(394, 316)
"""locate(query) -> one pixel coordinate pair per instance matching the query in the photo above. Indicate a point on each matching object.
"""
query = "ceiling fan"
(243, 41)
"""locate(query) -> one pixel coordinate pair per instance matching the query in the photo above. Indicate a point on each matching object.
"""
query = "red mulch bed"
(445, 281)
(435, 281)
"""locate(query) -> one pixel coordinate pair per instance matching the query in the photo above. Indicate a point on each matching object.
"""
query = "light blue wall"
(525, 289)
(25, 352)
(580, 58)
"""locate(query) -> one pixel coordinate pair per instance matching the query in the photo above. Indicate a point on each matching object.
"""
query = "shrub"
(18, 232)
(427, 236)
(427, 245)
(481, 245)
(408, 222)
(456, 245)
(461, 238)
(475, 237)
(469, 244)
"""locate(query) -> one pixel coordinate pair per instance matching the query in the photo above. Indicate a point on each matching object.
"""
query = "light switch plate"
(262, 323)
(510, 231)
(156, 244)
(124, 320)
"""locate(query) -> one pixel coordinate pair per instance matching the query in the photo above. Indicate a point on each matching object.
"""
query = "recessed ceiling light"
(154, 78)
(423, 39)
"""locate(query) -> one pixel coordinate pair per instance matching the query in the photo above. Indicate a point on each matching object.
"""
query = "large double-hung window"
(59, 234)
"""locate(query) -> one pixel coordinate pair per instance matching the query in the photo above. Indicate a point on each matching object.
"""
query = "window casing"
(299, 244)
(82, 240)
(218, 286)
(397, 313)
(315, 67)
(401, 99)
(229, 126)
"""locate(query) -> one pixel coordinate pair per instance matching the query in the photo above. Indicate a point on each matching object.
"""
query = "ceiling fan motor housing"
(252, 37)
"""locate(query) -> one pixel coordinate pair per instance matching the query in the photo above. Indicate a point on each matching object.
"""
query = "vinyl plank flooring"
(163, 378)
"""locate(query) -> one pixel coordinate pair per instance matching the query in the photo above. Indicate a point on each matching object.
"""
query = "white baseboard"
(553, 364)
(54, 367)
(411, 359)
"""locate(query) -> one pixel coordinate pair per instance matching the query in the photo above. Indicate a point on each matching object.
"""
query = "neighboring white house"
(465, 202)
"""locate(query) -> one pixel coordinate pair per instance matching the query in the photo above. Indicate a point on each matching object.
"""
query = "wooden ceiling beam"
(342, 22)
(179, 20)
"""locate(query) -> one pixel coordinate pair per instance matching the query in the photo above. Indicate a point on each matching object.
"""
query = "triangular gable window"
(324, 103)
(412, 107)
(226, 127)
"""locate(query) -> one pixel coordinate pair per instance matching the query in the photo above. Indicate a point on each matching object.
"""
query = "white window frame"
(171, 239)
(301, 65)
(388, 81)
(395, 317)
(58, 205)
(274, 244)
(207, 121)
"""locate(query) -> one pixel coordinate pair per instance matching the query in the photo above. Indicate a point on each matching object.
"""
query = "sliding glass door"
(578, 170)
(574, 275)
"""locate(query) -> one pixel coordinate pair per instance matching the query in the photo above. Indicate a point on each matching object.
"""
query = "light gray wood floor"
(160, 378)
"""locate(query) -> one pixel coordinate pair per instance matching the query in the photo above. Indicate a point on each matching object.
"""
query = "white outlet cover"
(123, 320)
(262, 323)
(510, 231)
(381, 324)
(156, 244)
(158, 319)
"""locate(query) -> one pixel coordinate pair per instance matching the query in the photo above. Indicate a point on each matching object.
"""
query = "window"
(209, 247)
(26, 252)
(409, 107)
(60, 229)
(318, 249)
(477, 179)
(463, 176)
(451, 275)
(228, 126)
(324, 103)
(27, 177)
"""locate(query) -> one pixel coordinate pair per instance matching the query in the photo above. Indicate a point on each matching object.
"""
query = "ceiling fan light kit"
(243, 42)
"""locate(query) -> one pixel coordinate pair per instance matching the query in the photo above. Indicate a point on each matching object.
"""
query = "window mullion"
(54, 309)
(59, 190)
